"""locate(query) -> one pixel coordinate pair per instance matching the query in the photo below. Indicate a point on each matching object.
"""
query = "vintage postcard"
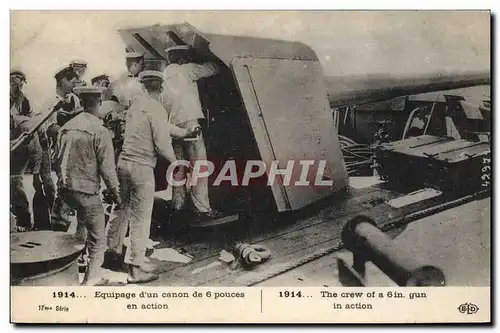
(250, 167)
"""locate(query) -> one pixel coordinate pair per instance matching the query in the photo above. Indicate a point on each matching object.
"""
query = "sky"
(347, 43)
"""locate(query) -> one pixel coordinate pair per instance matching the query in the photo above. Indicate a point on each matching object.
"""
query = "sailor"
(147, 135)
(66, 102)
(18, 100)
(80, 68)
(103, 81)
(135, 64)
(22, 119)
(181, 89)
(84, 156)
(67, 106)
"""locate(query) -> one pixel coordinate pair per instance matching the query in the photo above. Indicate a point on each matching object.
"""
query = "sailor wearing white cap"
(182, 90)
(147, 135)
(104, 81)
(80, 68)
(84, 156)
(101, 80)
(22, 119)
(67, 105)
(135, 65)
(66, 101)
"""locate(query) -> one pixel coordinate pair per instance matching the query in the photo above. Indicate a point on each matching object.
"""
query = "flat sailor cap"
(177, 48)
(82, 63)
(134, 55)
(88, 91)
(63, 71)
(18, 73)
(99, 77)
(150, 75)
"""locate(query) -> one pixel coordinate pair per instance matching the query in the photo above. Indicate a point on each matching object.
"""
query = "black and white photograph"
(250, 148)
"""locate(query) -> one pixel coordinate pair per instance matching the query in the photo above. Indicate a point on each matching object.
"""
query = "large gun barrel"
(368, 243)
(346, 91)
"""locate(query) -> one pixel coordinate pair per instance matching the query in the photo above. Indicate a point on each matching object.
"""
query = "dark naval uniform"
(29, 154)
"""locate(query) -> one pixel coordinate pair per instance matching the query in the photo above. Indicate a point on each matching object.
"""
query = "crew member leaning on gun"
(182, 101)
(22, 119)
(84, 155)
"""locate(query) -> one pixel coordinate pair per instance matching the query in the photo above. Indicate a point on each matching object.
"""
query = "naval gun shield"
(245, 122)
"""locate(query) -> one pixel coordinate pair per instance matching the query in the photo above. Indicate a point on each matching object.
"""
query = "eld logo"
(468, 308)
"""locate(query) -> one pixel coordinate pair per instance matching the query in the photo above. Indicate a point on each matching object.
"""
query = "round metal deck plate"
(40, 246)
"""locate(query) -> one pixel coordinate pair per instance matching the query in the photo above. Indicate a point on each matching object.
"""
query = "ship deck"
(456, 240)
(451, 234)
